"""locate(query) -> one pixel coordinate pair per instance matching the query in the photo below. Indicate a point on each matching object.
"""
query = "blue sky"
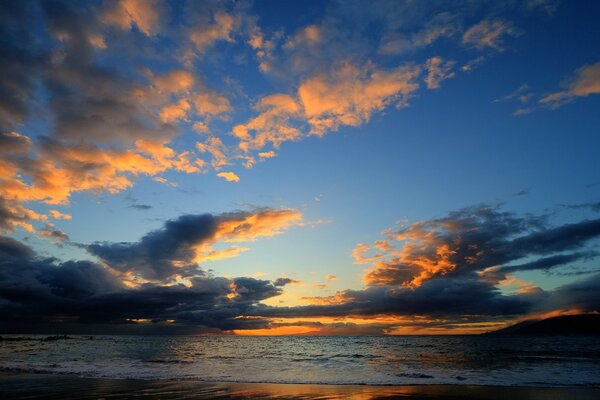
(354, 121)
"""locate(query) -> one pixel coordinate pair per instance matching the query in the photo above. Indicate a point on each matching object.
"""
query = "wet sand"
(46, 386)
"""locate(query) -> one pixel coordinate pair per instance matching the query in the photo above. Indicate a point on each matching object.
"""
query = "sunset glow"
(324, 168)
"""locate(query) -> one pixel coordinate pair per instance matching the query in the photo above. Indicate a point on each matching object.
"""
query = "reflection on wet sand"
(67, 387)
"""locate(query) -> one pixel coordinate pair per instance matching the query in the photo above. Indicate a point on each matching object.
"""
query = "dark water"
(378, 360)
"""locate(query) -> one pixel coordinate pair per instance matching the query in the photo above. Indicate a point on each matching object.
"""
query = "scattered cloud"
(489, 34)
(586, 81)
(523, 94)
(140, 207)
(437, 71)
(143, 14)
(229, 176)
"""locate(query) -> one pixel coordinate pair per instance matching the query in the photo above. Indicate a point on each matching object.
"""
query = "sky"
(298, 167)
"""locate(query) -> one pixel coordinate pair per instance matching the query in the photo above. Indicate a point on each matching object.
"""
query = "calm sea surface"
(397, 360)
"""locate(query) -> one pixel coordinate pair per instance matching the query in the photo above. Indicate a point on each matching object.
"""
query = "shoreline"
(20, 385)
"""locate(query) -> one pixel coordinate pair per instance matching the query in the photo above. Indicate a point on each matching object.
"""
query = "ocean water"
(376, 360)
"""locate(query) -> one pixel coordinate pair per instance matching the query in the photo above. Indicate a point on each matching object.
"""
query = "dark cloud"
(453, 267)
(594, 206)
(284, 281)
(36, 290)
(441, 297)
(140, 207)
(477, 238)
(155, 256)
(13, 249)
(86, 96)
(174, 249)
(583, 296)
(88, 101)
(478, 243)
(548, 262)
(11, 215)
(22, 60)
(12, 142)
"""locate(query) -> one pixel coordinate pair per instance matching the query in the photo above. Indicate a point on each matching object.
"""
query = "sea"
(373, 360)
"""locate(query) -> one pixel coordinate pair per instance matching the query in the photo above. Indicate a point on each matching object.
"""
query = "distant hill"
(585, 324)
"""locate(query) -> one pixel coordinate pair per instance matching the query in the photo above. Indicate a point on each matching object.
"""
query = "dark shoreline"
(49, 386)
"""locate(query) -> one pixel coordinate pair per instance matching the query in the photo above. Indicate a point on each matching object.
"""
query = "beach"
(49, 386)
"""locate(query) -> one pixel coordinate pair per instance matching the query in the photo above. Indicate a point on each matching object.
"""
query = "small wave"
(414, 375)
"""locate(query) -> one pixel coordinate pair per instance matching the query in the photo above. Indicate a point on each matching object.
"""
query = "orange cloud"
(418, 253)
(267, 154)
(221, 29)
(245, 227)
(309, 35)
(217, 149)
(144, 14)
(271, 125)
(347, 96)
(175, 81)
(264, 223)
(56, 170)
(585, 82)
(229, 176)
(350, 95)
(211, 104)
(175, 112)
(58, 215)
(437, 71)
(51, 232)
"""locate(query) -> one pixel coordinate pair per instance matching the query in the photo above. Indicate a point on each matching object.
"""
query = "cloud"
(14, 142)
(89, 110)
(582, 295)
(586, 81)
(308, 35)
(285, 281)
(207, 33)
(158, 277)
(348, 95)
(460, 267)
(330, 277)
(178, 247)
(175, 112)
(267, 154)
(229, 176)
(51, 232)
(144, 14)
(522, 95)
(44, 292)
(140, 207)
(217, 149)
(22, 61)
(438, 26)
(60, 169)
(59, 215)
(271, 125)
(437, 71)
(488, 34)
(470, 240)
(470, 65)
(594, 206)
